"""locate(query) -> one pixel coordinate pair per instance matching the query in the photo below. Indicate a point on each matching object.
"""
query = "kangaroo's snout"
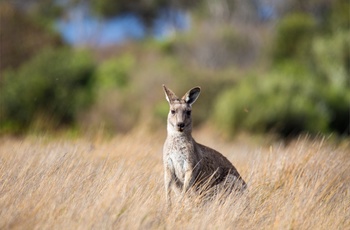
(180, 126)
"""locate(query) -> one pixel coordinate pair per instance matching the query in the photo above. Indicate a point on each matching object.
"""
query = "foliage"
(339, 17)
(305, 90)
(288, 101)
(293, 36)
(113, 109)
(145, 9)
(21, 37)
(302, 83)
(332, 61)
(115, 72)
(216, 47)
(54, 84)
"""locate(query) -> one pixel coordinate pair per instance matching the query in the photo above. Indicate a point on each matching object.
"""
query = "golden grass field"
(117, 183)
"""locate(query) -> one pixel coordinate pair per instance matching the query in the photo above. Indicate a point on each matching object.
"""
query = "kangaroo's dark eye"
(172, 112)
(188, 112)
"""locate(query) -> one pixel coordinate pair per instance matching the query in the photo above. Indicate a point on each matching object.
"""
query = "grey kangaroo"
(188, 164)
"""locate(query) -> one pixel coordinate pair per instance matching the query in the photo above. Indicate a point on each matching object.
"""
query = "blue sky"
(79, 27)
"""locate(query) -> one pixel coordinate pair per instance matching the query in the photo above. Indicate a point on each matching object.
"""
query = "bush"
(56, 84)
(116, 107)
(288, 101)
(332, 61)
(115, 72)
(22, 37)
(293, 36)
(338, 101)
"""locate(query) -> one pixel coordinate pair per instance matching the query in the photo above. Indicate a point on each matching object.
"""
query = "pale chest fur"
(180, 156)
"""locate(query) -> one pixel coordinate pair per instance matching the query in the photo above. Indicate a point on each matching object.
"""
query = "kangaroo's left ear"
(191, 96)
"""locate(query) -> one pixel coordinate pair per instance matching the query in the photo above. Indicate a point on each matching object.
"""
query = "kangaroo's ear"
(192, 95)
(169, 95)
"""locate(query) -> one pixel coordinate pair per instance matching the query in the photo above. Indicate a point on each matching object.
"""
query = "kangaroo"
(188, 164)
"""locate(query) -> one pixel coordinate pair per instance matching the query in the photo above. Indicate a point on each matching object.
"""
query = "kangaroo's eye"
(172, 112)
(188, 112)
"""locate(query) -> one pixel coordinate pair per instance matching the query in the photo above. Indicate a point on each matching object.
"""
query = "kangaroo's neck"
(185, 136)
(181, 142)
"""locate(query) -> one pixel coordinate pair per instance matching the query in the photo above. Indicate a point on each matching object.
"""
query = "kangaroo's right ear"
(169, 95)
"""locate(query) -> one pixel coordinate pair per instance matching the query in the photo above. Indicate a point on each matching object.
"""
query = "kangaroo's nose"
(181, 125)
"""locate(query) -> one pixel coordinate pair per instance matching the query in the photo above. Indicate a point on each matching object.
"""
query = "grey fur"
(189, 165)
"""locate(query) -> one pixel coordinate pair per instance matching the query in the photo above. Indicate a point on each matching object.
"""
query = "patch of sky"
(80, 27)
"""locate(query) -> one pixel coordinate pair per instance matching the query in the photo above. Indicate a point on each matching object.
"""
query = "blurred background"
(265, 66)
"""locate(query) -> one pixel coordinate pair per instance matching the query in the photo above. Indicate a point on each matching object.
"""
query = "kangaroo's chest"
(180, 165)
(181, 161)
(180, 157)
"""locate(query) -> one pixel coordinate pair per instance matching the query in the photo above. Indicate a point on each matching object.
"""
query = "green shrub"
(115, 72)
(22, 37)
(288, 101)
(116, 107)
(293, 36)
(332, 61)
(338, 101)
(55, 84)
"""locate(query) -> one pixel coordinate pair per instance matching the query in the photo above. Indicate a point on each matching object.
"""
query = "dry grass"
(118, 184)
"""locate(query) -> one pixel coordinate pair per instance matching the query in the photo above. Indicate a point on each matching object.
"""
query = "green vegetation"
(115, 72)
(306, 89)
(22, 37)
(294, 35)
(286, 79)
(288, 101)
(55, 84)
(116, 106)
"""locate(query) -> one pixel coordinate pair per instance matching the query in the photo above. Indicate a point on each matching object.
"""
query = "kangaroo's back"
(219, 169)
(188, 164)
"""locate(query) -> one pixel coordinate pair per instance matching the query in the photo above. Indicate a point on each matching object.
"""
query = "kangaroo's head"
(179, 117)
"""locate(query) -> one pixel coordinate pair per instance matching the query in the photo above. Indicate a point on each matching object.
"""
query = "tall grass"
(118, 184)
